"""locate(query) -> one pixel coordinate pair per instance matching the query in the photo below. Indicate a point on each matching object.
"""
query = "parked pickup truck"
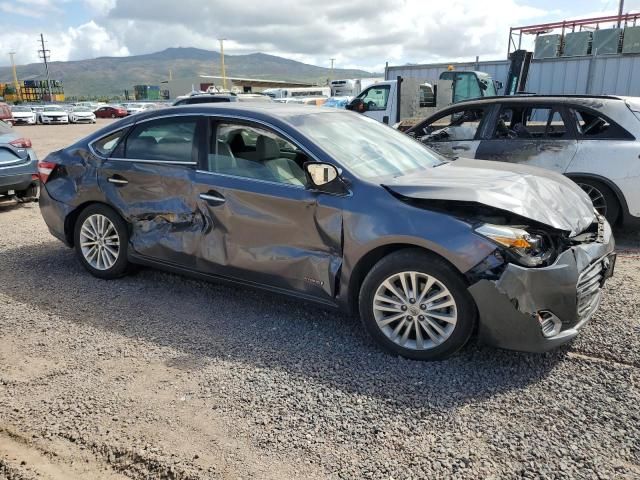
(405, 101)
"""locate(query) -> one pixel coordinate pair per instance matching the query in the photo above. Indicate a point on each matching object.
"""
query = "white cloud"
(101, 7)
(92, 40)
(362, 33)
(86, 41)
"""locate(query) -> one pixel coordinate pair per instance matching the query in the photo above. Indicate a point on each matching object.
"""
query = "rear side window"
(106, 145)
(531, 123)
(166, 140)
(590, 125)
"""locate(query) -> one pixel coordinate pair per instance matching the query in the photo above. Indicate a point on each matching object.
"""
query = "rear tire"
(604, 200)
(28, 195)
(100, 239)
(413, 304)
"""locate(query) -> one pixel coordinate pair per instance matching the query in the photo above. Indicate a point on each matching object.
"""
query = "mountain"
(107, 76)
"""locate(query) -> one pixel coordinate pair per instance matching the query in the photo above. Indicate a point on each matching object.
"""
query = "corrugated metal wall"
(610, 75)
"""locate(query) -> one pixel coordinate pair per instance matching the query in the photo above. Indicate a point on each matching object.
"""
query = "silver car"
(18, 165)
(595, 141)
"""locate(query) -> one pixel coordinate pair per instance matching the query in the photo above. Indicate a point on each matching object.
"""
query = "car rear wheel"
(415, 305)
(602, 197)
(101, 238)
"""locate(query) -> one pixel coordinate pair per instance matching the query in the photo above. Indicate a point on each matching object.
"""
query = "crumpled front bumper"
(570, 289)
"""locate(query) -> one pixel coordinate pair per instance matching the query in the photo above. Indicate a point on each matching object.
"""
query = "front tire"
(414, 304)
(604, 200)
(101, 237)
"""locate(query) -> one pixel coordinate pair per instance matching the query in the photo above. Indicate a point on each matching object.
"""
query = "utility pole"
(45, 56)
(620, 10)
(332, 60)
(224, 75)
(16, 85)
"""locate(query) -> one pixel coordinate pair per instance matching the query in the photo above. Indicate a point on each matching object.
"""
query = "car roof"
(531, 98)
(282, 111)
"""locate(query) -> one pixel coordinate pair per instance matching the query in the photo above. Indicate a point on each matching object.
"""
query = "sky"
(357, 33)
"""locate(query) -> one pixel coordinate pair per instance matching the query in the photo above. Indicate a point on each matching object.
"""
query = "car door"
(148, 178)
(379, 103)
(454, 133)
(532, 134)
(263, 224)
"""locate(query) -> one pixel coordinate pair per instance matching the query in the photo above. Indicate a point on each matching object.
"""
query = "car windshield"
(81, 109)
(20, 109)
(366, 147)
(52, 109)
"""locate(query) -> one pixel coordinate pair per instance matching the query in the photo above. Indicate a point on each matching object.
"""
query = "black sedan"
(335, 208)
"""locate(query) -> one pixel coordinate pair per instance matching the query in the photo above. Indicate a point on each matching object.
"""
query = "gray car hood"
(534, 193)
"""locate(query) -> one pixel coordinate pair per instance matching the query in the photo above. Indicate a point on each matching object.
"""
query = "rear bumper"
(18, 177)
(15, 183)
(54, 214)
(569, 290)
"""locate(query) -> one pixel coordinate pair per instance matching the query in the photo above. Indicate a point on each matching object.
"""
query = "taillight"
(21, 143)
(45, 169)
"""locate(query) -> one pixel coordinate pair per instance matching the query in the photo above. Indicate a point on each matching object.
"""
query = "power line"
(45, 55)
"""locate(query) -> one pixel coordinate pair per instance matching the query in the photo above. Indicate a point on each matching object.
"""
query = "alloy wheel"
(415, 310)
(99, 242)
(597, 198)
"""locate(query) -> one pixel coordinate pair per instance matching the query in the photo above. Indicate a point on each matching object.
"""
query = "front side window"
(376, 97)
(253, 152)
(166, 140)
(457, 126)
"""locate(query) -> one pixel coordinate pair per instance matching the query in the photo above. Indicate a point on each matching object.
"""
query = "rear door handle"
(117, 180)
(459, 147)
(212, 198)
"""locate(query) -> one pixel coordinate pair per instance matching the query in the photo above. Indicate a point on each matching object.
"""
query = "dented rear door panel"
(280, 236)
(158, 203)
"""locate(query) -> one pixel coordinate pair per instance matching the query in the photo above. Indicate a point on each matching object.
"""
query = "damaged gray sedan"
(335, 208)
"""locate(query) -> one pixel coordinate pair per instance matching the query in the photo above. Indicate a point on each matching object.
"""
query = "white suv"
(594, 140)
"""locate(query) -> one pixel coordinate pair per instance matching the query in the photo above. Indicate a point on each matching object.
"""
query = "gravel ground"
(159, 376)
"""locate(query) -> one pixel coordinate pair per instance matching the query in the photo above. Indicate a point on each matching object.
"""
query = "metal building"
(593, 75)
(589, 56)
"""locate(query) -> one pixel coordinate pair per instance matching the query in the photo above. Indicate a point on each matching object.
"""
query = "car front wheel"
(101, 238)
(602, 197)
(414, 304)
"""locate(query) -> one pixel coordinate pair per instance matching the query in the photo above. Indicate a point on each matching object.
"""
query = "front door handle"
(212, 198)
(117, 180)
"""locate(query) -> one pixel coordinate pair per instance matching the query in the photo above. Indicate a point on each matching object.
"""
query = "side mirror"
(324, 177)
(356, 105)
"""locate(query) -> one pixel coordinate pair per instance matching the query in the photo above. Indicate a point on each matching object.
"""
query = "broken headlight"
(527, 249)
